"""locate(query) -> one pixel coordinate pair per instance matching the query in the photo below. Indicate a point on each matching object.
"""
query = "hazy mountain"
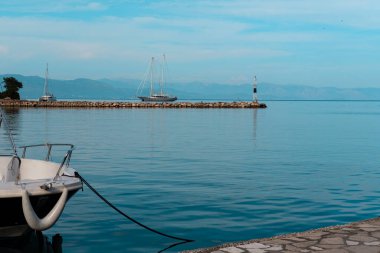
(80, 88)
(107, 89)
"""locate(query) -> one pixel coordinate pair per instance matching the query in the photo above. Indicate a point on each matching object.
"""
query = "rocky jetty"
(109, 104)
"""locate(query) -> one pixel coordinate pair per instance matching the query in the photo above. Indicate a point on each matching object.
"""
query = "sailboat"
(151, 79)
(47, 97)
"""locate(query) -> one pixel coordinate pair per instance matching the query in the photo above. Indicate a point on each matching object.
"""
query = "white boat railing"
(49, 146)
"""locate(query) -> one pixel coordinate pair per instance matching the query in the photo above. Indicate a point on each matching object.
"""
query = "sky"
(305, 42)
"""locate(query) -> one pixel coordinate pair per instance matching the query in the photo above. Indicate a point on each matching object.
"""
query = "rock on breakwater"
(109, 104)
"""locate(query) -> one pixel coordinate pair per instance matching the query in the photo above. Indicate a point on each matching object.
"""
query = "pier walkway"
(358, 237)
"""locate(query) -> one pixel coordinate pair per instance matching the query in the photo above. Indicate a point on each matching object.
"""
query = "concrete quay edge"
(357, 237)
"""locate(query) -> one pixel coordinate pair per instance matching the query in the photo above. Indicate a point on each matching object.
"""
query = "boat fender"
(50, 219)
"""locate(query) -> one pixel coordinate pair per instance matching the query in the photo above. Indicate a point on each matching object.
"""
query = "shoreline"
(360, 236)
(106, 104)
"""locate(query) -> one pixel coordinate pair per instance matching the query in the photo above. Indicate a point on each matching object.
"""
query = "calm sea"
(212, 175)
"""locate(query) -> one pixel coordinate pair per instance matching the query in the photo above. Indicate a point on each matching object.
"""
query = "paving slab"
(362, 236)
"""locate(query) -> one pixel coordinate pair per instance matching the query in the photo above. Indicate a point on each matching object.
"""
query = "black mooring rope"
(127, 216)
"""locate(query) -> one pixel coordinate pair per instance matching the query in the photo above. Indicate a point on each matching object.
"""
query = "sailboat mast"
(163, 69)
(151, 76)
(46, 79)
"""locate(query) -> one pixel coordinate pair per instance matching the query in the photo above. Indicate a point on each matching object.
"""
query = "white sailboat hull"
(47, 98)
(158, 98)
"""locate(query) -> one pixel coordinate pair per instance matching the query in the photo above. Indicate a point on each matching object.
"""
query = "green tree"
(11, 85)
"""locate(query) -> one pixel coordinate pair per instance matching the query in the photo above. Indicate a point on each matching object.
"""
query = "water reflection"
(10, 124)
(172, 246)
(31, 242)
(12, 115)
(254, 124)
(37, 242)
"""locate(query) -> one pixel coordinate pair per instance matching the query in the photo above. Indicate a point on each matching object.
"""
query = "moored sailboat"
(46, 97)
(151, 79)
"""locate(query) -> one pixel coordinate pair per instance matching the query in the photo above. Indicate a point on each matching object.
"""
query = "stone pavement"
(363, 237)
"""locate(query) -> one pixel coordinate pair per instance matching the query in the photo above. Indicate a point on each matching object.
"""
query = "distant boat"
(47, 97)
(151, 78)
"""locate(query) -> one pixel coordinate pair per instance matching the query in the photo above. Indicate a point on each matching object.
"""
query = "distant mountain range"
(106, 89)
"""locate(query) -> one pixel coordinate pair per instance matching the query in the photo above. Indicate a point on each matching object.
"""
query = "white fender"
(42, 224)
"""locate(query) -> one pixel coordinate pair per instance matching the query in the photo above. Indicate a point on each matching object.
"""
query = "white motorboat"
(33, 192)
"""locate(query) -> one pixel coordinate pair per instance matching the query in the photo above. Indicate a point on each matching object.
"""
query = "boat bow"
(50, 219)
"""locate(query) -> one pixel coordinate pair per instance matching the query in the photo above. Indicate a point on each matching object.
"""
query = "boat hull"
(12, 220)
(31, 242)
(47, 98)
(158, 99)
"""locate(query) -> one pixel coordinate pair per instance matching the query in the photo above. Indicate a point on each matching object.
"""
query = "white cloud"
(213, 38)
(3, 50)
(73, 50)
(351, 13)
(51, 7)
(96, 6)
(92, 6)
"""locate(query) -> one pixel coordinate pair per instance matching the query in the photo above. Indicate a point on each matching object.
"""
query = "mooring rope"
(127, 216)
(8, 130)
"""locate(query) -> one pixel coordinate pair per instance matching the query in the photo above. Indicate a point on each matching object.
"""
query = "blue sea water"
(212, 175)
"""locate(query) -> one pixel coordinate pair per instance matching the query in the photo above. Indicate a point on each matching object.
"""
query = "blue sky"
(307, 42)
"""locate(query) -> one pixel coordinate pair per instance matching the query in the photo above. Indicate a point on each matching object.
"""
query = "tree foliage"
(11, 85)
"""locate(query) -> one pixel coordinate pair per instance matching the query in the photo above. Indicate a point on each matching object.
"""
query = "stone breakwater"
(108, 104)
